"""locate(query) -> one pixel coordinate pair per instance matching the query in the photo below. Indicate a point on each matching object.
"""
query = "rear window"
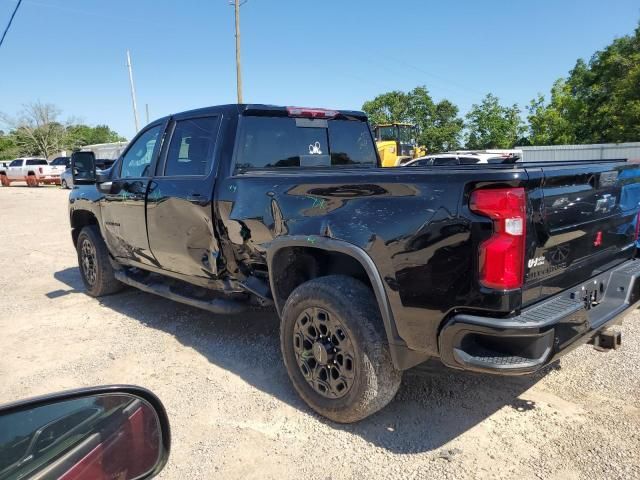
(275, 142)
(37, 162)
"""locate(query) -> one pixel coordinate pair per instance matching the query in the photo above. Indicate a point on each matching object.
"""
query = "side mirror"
(83, 168)
(100, 432)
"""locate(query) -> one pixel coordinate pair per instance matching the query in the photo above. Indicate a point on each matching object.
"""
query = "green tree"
(438, 123)
(8, 146)
(598, 102)
(79, 135)
(491, 125)
(37, 130)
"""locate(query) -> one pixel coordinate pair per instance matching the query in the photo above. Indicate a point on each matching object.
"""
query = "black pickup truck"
(491, 268)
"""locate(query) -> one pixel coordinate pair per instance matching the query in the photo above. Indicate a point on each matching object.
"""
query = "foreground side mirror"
(95, 433)
(83, 168)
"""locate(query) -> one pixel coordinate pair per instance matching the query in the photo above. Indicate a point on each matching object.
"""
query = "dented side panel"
(413, 225)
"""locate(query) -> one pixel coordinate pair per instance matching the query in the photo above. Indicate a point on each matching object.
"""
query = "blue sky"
(326, 53)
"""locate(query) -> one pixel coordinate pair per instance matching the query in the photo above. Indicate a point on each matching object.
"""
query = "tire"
(32, 181)
(63, 184)
(346, 308)
(95, 268)
(4, 181)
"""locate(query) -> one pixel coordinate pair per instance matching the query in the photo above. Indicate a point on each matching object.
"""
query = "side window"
(191, 148)
(16, 163)
(469, 160)
(37, 162)
(421, 163)
(137, 160)
(446, 161)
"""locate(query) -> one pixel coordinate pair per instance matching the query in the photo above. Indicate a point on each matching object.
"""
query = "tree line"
(38, 131)
(598, 102)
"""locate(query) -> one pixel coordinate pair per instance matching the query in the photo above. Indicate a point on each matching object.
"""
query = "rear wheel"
(335, 349)
(95, 268)
(32, 181)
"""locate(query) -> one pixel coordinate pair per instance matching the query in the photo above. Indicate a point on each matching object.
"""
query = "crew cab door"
(179, 204)
(123, 204)
(14, 170)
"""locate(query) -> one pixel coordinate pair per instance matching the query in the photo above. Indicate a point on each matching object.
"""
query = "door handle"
(194, 197)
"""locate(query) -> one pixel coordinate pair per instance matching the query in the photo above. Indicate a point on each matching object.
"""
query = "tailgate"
(584, 222)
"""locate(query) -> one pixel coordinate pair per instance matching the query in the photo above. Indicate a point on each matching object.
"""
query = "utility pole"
(238, 70)
(133, 92)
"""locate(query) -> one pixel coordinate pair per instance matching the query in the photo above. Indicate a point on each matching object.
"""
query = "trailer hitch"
(607, 339)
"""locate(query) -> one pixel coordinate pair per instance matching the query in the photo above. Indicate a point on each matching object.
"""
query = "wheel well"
(79, 220)
(292, 266)
(30, 172)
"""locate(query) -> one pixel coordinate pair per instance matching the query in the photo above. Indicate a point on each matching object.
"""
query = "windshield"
(406, 134)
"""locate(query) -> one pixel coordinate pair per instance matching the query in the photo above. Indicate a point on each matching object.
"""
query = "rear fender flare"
(332, 245)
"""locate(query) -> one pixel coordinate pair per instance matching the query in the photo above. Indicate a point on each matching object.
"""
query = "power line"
(9, 24)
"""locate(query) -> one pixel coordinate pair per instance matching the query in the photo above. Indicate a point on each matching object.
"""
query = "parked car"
(496, 269)
(32, 170)
(66, 179)
(466, 157)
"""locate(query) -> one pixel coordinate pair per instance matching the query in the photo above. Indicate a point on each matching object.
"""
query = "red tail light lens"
(40, 170)
(502, 255)
(638, 226)
(311, 112)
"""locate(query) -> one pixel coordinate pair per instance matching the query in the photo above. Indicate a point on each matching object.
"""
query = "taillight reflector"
(638, 226)
(501, 257)
(311, 112)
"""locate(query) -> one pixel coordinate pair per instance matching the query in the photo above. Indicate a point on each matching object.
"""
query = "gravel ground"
(234, 414)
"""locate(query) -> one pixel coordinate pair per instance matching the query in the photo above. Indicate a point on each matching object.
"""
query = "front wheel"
(95, 268)
(335, 349)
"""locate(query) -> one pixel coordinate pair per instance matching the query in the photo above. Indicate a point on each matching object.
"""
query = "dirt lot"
(234, 413)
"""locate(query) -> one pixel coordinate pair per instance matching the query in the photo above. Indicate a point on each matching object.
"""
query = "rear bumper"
(542, 332)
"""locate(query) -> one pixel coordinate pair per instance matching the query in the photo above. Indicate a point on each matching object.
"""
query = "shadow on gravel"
(433, 406)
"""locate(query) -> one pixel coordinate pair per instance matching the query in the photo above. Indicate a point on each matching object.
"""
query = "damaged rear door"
(179, 214)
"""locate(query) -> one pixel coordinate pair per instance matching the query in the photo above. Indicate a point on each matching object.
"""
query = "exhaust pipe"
(607, 339)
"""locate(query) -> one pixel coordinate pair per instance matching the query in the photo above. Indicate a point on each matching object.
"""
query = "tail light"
(311, 112)
(638, 226)
(501, 257)
(40, 170)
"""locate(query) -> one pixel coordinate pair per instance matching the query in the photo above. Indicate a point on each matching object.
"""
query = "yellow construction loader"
(397, 143)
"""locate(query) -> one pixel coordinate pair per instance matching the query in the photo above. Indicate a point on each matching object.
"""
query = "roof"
(242, 108)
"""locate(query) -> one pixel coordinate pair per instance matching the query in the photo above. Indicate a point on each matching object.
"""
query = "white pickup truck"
(32, 170)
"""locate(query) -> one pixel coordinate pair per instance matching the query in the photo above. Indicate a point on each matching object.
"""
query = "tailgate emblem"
(536, 262)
